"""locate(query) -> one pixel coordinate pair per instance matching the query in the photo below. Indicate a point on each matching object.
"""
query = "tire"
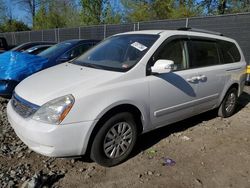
(119, 134)
(229, 103)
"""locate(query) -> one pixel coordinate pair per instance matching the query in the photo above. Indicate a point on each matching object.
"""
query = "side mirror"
(162, 66)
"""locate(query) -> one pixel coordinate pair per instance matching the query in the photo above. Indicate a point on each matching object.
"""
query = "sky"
(17, 12)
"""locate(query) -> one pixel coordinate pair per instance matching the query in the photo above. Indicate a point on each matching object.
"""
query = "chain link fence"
(236, 26)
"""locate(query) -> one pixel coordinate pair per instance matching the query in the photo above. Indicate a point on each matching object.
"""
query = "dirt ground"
(208, 152)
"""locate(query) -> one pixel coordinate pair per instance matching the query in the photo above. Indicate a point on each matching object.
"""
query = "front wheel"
(115, 140)
(229, 103)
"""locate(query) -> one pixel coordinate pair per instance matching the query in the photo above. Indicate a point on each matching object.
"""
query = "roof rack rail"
(199, 30)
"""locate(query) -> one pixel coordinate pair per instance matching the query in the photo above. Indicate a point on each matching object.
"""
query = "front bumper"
(51, 140)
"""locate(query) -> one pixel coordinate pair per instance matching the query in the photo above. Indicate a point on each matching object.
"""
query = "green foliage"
(186, 9)
(214, 7)
(110, 16)
(13, 25)
(40, 19)
(56, 14)
(47, 14)
(92, 11)
(7, 23)
(163, 8)
(138, 10)
(71, 16)
(95, 12)
(238, 6)
(142, 10)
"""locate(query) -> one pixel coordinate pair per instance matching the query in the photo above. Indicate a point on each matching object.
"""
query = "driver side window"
(174, 51)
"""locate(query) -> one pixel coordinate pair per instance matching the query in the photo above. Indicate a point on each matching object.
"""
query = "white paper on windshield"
(139, 46)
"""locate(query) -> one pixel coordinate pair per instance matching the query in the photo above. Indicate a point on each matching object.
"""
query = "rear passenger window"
(230, 52)
(203, 53)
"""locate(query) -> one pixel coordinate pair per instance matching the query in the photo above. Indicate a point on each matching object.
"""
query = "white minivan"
(129, 84)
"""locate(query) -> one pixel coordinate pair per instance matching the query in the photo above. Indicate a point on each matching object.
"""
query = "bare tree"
(31, 6)
(2, 11)
(222, 6)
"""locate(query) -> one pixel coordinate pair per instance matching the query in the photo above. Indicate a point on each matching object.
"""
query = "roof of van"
(179, 32)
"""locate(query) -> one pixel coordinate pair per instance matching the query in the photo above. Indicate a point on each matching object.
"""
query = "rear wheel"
(115, 140)
(229, 103)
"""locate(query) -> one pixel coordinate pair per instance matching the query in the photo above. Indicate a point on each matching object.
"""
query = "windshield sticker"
(139, 46)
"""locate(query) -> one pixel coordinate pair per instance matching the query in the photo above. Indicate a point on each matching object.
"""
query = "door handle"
(193, 79)
(201, 77)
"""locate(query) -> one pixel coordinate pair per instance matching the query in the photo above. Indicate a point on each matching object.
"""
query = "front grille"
(23, 107)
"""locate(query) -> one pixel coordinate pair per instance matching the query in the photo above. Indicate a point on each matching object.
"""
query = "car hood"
(16, 66)
(61, 80)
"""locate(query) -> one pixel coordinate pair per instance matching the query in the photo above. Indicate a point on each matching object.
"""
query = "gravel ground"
(203, 151)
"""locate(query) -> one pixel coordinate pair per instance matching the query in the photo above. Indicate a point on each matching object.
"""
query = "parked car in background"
(4, 45)
(127, 85)
(248, 75)
(25, 46)
(15, 66)
(37, 49)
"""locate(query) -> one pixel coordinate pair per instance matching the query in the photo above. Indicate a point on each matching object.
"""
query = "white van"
(129, 84)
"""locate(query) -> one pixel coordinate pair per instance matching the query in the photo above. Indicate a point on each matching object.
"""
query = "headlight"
(54, 111)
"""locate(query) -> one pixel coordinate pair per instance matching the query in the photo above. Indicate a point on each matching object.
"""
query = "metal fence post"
(29, 36)
(138, 26)
(187, 22)
(58, 34)
(134, 26)
(55, 35)
(12, 38)
(104, 31)
(15, 39)
(79, 31)
(42, 35)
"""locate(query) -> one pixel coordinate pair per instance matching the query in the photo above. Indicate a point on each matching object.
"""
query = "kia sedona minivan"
(129, 84)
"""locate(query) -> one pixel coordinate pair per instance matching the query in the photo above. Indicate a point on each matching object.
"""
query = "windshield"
(118, 53)
(55, 50)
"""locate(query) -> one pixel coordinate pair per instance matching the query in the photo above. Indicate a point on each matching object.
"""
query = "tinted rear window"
(56, 50)
(230, 52)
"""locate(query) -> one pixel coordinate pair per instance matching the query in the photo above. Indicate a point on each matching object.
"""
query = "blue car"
(25, 46)
(16, 66)
(37, 49)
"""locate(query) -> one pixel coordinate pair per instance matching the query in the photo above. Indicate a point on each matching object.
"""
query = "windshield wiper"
(91, 65)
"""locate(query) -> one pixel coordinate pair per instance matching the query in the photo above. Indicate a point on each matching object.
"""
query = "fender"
(144, 111)
(226, 88)
(145, 120)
